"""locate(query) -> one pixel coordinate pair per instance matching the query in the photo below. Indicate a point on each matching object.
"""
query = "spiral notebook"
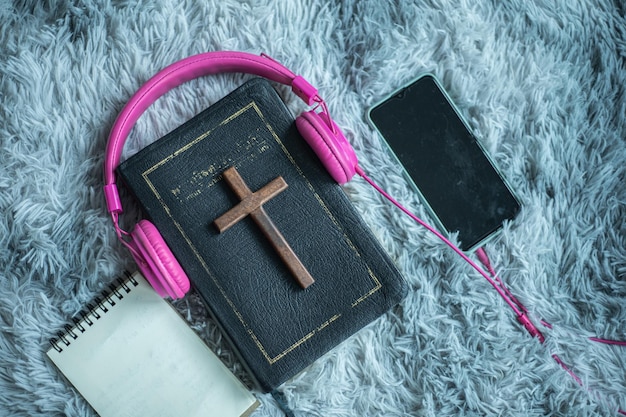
(131, 354)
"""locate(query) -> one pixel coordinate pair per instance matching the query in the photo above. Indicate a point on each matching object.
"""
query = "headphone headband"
(178, 73)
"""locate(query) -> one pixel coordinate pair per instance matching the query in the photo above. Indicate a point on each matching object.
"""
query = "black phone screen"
(444, 160)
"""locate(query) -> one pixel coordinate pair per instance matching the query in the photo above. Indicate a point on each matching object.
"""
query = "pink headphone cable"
(444, 239)
(520, 310)
(484, 259)
(608, 341)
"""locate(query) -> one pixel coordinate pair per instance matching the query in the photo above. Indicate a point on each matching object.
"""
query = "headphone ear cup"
(158, 265)
(329, 144)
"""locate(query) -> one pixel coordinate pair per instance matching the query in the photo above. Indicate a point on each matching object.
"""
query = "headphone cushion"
(332, 148)
(162, 270)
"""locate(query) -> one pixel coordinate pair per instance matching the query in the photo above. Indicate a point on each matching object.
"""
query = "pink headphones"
(154, 258)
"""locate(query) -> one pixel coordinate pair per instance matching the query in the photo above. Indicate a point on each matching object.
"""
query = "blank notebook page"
(140, 358)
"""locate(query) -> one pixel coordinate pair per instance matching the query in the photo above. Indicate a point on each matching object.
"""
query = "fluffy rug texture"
(542, 83)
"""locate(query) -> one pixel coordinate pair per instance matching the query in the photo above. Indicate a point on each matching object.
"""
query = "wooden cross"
(251, 204)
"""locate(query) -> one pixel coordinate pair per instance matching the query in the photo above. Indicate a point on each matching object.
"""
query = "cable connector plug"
(531, 328)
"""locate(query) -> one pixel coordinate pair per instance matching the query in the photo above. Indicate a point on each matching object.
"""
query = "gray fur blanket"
(542, 83)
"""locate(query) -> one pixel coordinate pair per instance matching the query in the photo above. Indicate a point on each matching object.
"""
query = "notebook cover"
(277, 327)
(131, 354)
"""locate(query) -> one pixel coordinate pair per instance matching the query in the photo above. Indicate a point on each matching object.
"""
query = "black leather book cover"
(277, 327)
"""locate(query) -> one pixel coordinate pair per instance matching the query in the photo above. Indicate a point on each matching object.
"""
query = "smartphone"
(444, 162)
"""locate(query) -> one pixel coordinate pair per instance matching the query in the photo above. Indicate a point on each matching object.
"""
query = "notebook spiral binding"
(94, 311)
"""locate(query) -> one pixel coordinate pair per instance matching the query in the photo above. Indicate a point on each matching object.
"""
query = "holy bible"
(272, 244)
